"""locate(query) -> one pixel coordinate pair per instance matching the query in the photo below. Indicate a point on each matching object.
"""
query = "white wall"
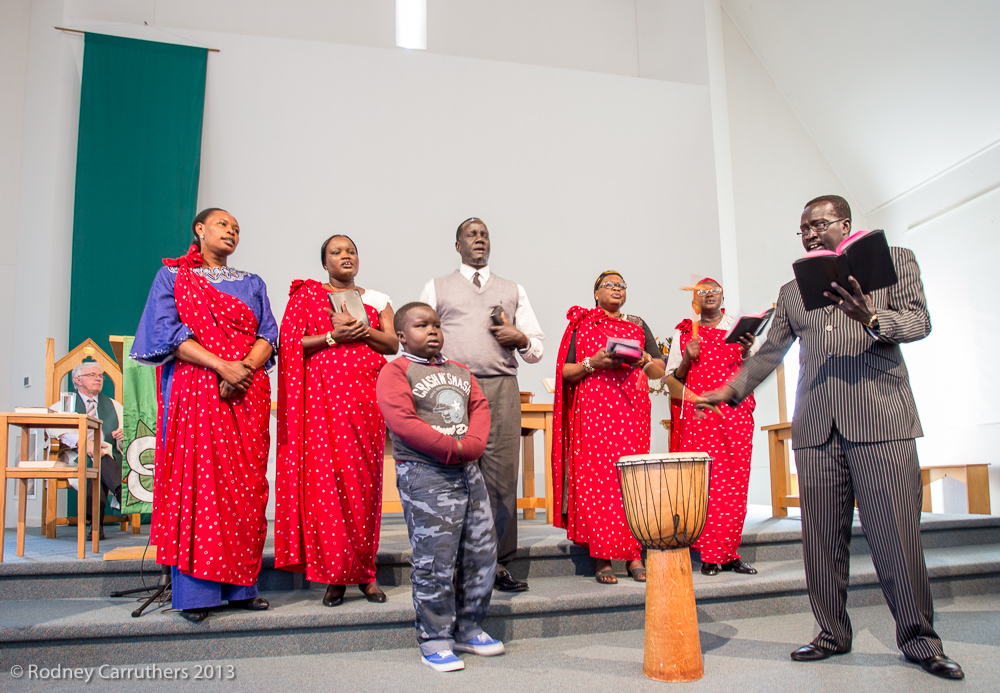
(954, 375)
(777, 168)
(15, 19)
(890, 99)
(890, 115)
(574, 171)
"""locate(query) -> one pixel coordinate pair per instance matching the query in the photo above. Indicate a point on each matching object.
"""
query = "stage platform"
(56, 609)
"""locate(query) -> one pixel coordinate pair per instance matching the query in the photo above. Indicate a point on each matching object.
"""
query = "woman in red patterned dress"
(705, 363)
(331, 435)
(209, 330)
(602, 413)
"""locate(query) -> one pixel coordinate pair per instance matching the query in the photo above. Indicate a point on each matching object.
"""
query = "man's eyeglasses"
(822, 225)
(709, 292)
(91, 375)
(614, 285)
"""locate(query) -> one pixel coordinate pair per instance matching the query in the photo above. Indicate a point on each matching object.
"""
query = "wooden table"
(975, 476)
(778, 437)
(784, 489)
(535, 417)
(26, 422)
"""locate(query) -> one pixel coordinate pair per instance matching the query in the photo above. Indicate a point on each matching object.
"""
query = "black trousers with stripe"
(884, 478)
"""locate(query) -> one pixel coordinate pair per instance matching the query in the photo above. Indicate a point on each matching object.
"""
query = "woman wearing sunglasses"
(703, 363)
(602, 413)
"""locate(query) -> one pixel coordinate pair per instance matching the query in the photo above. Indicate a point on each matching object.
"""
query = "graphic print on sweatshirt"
(441, 399)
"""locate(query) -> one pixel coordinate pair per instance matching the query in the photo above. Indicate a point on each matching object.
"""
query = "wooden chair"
(55, 374)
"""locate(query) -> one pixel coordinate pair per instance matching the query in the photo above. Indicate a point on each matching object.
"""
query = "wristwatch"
(872, 323)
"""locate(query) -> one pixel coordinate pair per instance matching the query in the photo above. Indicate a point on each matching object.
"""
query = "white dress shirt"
(524, 317)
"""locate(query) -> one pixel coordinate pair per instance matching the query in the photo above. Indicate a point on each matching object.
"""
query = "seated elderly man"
(88, 379)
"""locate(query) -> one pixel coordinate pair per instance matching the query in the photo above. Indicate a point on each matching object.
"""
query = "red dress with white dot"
(596, 422)
(331, 448)
(728, 439)
(210, 485)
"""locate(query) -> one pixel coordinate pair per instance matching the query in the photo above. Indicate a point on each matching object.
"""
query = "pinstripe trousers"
(884, 478)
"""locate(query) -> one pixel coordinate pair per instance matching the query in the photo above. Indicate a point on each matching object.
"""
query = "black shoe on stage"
(255, 604)
(738, 566)
(814, 653)
(334, 595)
(505, 582)
(373, 592)
(710, 569)
(195, 615)
(940, 665)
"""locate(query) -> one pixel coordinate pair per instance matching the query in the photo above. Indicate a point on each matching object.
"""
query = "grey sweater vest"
(465, 319)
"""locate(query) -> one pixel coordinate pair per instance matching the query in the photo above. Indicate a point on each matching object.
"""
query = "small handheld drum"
(666, 505)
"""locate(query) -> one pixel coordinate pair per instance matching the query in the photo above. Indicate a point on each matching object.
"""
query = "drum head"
(657, 457)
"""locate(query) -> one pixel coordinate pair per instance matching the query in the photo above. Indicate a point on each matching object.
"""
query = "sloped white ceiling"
(894, 92)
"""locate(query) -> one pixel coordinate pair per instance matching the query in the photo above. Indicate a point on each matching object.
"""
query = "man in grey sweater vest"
(465, 301)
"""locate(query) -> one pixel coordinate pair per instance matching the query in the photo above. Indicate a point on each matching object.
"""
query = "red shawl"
(210, 486)
(331, 448)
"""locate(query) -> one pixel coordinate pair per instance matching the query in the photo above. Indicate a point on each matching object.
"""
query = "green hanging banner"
(137, 164)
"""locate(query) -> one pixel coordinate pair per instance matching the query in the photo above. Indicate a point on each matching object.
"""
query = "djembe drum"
(666, 502)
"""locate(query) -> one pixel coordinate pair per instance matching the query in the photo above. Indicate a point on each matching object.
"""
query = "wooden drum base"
(673, 646)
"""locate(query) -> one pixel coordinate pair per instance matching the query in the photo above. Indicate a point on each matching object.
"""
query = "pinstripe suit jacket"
(847, 377)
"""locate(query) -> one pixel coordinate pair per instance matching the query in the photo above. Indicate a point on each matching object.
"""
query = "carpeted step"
(75, 632)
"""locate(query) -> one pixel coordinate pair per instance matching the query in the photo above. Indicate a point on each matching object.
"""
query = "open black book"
(863, 255)
(754, 324)
(355, 306)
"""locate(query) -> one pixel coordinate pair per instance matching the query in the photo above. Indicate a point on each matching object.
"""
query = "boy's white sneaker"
(482, 645)
(443, 661)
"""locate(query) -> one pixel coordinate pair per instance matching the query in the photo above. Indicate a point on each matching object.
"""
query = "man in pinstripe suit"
(853, 433)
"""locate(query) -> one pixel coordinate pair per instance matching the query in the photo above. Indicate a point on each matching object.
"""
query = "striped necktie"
(92, 413)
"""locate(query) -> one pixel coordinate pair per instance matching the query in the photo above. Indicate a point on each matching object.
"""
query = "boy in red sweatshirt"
(439, 422)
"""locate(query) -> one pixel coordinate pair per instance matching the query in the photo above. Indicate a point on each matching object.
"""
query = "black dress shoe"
(255, 604)
(334, 595)
(814, 653)
(940, 665)
(505, 582)
(373, 592)
(100, 532)
(710, 569)
(738, 566)
(195, 615)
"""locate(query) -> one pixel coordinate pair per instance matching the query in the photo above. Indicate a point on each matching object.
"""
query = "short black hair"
(840, 206)
(399, 321)
(458, 231)
(200, 219)
(322, 249)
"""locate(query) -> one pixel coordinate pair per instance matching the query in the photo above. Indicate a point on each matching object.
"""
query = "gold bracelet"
(871, 321)
(587, 367)
(330, 340)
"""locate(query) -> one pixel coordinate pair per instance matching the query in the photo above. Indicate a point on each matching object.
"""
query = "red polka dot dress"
(728, 439)
(210, 485)
(331, 447)
(597, 421)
